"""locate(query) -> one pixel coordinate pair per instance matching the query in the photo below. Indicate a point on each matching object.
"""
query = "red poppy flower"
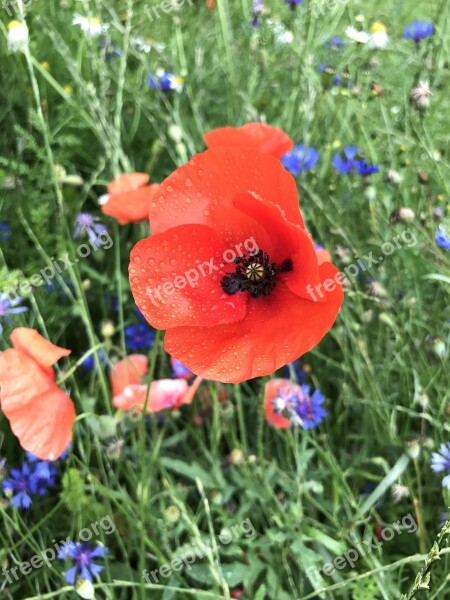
(129, 197)
(272, 390)
(41, 414)
(163, 394)
(128, 371)
(232, 321)
(265, 138)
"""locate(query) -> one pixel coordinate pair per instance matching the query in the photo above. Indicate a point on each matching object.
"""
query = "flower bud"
(420, 96)
(108, 329)
(393, 176)
(404, 215)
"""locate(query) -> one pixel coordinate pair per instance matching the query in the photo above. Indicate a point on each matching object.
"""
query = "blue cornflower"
(86, 224)
(89, 362)
(418, 30)
(442, 238)
(10, 306)
(165, 81)
(364, 169)
(440, 461)
(300, 159)
(5, 231)
(350, 163)
(179, 370)
(83, 556)
(344, 166)
(20, 486)
(300, 407)
(44, 471)
(257, 10)
(309, 409)
(34, 477)
(139, 336)
(335, 42)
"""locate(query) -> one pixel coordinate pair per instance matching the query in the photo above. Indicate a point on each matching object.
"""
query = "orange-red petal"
(175, 279)
(127, 371)
(40, 413)
(287, 241)
(265, 138)
(127, 183)
(323, 255)
(191, 391)
(202, 192)
(276, 330)
(32, 344)
(271, 391)
(132, 206)
(163, 394)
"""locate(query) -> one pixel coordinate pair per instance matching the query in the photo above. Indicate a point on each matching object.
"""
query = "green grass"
(310, 495)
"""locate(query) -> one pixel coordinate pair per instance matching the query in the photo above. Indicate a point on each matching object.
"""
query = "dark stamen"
(254, 274)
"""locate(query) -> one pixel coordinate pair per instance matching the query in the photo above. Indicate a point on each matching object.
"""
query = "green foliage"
(73, 494)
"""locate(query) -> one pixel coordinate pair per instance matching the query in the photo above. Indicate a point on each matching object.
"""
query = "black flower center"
(254, 274)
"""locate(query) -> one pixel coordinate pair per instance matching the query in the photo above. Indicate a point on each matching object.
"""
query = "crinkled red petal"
(175, 279)
(40, 413)
(276, 330)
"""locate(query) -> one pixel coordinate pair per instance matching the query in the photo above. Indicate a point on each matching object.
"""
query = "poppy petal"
(40, 413)
(271, 391)
(323, 255)
(132, 397)
(127, 183)
(283, 324)
(192, 390)
(127, 371)
(265, 138)
(289, 242)
(202, 191)
(175, 279)
(164, 394)
(132, 206)
(33, 345)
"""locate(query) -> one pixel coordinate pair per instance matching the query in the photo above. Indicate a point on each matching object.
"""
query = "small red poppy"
(265, 138)
(128, 371)
(232, 320)
(129, 197)
(163, 394)
(273, 389)
(41, 414)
